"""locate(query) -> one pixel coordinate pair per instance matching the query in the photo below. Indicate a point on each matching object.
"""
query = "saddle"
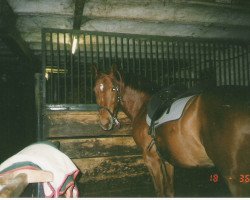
(175, 96)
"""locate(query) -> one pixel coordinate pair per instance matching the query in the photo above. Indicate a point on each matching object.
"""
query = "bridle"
(114, 121)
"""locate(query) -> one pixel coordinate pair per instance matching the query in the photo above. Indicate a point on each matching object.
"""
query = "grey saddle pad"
(172, 113)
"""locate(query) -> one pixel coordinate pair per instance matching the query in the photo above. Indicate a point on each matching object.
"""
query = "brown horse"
(213, 130)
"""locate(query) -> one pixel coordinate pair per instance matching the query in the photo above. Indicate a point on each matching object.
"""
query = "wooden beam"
(16, 44)
(7, 16)
(79, 5)
(11, 36)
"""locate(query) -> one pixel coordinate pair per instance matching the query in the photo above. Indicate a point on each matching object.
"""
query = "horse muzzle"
(107, 120)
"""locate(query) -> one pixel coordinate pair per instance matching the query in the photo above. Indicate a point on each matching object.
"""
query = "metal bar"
(189, 64)
(203, 50)
(145, 57)
(244, 74)
(168, 64)
(238, 63)
(78, 70)
(104, 53)
(97, 51)
(139, 43)
(219, 58)
(224, 64)
(214, 61)
(58, 66)
(173, 61)
(91, 75)
(234, 65)
(151, 60)
(51, 99)
(116, 53)
(194, 61)
(128, 56)
(110, 52)
(162, 64)
(85, 70)
(248, 63)
(210, 66)
(65, 66)
(72, 74)
(157, 62)
(229, 64)
(122, 53)
(184, 63)
(91, 48)
(206, 51)
(178, 62)
(133, 55)
(200, 60)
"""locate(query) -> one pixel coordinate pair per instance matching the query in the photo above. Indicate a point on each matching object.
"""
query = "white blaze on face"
(101, 87)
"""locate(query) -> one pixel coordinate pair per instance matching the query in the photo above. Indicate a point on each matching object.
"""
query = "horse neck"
(133, 101)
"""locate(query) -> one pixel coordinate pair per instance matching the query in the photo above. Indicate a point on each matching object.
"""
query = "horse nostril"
(104, 121)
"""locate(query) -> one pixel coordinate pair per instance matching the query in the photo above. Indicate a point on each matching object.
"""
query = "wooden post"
(14, 187)
(13, 184)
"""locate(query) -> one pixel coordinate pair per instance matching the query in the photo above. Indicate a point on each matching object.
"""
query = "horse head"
(108, 96)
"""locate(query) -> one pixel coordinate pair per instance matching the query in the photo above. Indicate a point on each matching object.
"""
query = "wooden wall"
(110, 162)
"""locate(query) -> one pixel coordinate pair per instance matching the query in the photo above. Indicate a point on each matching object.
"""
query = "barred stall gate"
(66, 104)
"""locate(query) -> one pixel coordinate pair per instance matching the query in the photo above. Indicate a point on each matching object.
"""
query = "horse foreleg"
(161, 172)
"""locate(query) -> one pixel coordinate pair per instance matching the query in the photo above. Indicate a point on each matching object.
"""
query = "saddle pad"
(175, 112)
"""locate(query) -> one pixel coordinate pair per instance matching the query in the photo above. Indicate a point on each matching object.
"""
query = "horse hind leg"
(238, 188)
(162, 174)
(239, 181)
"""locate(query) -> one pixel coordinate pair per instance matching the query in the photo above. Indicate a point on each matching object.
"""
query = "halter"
(114, 120)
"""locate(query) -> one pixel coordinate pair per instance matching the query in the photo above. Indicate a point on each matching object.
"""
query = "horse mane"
(140, 83)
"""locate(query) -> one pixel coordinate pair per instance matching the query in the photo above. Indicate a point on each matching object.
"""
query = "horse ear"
(114, 71)
(96, 71)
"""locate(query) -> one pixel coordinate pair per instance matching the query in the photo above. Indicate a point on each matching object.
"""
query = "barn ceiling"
(21, 21)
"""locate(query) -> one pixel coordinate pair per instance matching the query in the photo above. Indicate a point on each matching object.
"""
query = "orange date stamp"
(243, 178)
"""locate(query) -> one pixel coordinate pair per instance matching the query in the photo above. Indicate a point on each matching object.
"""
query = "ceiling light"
(74, 45)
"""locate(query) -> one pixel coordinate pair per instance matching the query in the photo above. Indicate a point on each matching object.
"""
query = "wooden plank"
(113, 167)
(98, 147)
(80, 123)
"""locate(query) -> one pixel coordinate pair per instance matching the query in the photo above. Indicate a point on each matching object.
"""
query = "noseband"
(113, 115)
